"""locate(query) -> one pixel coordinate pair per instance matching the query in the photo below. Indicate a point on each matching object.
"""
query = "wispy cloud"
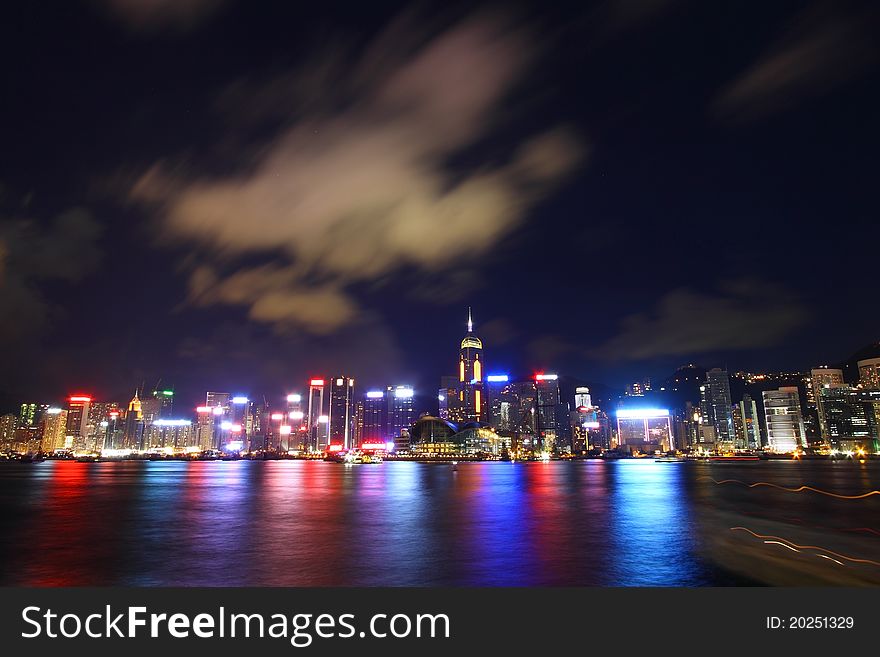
(32, 253)
(742, 315)
(150, 15)
(823, 47)
(347, 196)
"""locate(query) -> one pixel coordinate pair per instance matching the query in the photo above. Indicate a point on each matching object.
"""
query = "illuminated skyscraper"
(822, 377)
(77, 420)
(470, 374)
(342, 411)
(747, 429)
(374, 417)
(851, 417)
(31, 414)
(498, 402)
(8, 425)
(317, 419)
(546, 409)
(717, 409)
(358, 437)
(54, 425)
(401, 411)
(205, 428)
(785, 424)
(114, 435)
(134, 424)
(159, 404)
(297, 437)
(98, 425)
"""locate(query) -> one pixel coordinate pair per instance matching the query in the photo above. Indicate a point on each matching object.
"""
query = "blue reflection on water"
(300, 523)
(652, 541)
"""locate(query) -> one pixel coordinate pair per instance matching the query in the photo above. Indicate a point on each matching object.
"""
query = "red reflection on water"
(77, 551)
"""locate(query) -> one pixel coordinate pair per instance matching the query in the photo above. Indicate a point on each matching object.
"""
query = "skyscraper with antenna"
(471, 372)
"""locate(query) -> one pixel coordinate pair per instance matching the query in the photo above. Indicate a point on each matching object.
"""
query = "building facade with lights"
(341, 415)
(645, 430)
(785, 423)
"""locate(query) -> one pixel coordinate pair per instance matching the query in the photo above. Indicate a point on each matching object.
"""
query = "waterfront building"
(645, 430)
(54, 426)
(205, 428)
(374, 418)
(748, 431)
(716, 409)
(785, 423)
(316, 418)
(547, 406)
(342, 411)
(820, 378)
(8, 425)
(851, 418)
(77, 420)
(170, 435)
(401, 413)
(471, 369)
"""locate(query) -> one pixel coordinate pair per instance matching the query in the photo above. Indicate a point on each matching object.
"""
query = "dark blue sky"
(241, 195)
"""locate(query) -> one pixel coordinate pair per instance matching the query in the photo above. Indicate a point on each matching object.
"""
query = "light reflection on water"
(298, 523)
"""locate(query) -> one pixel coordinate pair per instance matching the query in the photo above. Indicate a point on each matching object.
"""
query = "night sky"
(238, 196)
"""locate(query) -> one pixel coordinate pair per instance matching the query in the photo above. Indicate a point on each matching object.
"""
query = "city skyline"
(253, 190)
(480, 412)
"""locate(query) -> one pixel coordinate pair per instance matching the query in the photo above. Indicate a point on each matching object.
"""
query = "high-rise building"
(869, 373)
(401, 411)
(54, 426)
(785, 423)
(77, 421)
(374, 417)
(317, 418)
(498, 402)
(205, 428)
(851, 417)
(134, 424)
(820, 378)
(342, 411)
(97, 426)
(748, 434)
(31, 414)
(358, 437)
(114, 436)
(470, 374)
(716, 408)
(547, 406)
(8, 425)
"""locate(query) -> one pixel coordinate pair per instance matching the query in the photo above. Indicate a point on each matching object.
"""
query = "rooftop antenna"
(470, 321)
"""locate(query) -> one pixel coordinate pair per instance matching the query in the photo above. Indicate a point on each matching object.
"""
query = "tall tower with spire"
(471, 368)
(133, 434)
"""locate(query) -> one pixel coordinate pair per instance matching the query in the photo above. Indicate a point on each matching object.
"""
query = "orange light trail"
(790, 544)
(801, 489)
